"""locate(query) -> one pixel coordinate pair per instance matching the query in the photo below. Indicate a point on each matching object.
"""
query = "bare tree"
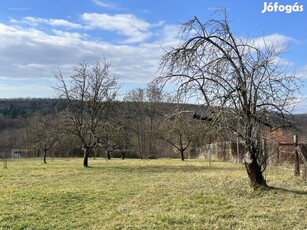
(135, 100)
(106, 134)
(7, 143)
(45, 131)
(240, 81)
(122, 133)
(88, 96)
(146, 113)
(179, 131)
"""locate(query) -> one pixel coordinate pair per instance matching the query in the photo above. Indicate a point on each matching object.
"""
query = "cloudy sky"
(39, 37)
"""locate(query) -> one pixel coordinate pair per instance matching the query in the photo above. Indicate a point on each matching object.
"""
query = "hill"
(20, 108)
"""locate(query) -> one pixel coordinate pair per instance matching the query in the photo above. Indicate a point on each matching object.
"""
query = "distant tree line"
(146, 123)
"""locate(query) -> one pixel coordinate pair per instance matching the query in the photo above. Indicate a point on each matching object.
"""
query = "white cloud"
(301, 104)
(169, 35)
(302, 72)
(72, 35)
(28, 53)
(137, 30)
(133, 29)
(50, 21)
(278, 40)
(274, 42)
(107, 5)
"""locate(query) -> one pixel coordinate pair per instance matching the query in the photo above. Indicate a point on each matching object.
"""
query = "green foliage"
(146, 194)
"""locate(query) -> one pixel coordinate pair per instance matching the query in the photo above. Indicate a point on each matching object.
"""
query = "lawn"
(146, 194)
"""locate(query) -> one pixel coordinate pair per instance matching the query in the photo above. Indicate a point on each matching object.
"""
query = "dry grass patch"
(146, 194)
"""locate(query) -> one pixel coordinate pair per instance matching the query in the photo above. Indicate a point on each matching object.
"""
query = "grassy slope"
(146, 194)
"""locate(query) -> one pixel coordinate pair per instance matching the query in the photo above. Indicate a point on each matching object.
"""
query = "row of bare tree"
(146, 123)
(136, 124)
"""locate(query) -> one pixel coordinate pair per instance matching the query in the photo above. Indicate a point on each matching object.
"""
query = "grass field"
(146, 194)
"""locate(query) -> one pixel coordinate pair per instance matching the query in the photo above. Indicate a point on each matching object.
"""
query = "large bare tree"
(88, 95)
(241, 81)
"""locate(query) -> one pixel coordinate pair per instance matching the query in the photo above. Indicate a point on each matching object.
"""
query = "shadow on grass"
(168, 169)
(297, 192)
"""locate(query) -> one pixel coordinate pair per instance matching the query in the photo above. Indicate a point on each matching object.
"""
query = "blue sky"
(38, 37)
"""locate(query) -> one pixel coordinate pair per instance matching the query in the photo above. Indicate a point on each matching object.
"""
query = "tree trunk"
(255, 175)
(253, 167)
(182, 154)
(45, 153)
(45, 156)
(181, 147)
(86, 155)
(108, 155)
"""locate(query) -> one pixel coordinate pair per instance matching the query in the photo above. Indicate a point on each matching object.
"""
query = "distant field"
(146, 194)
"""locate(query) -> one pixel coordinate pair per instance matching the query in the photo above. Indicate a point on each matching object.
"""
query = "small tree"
(239, 80)
(88, 96)
(179, 130)
(45, 131)
(121, 133)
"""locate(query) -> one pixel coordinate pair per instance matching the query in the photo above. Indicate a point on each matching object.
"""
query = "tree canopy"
(242, 82)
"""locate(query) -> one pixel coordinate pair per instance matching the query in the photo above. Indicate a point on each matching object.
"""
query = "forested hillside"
(24, 108)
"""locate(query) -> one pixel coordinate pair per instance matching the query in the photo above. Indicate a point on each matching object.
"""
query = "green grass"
(146, 194)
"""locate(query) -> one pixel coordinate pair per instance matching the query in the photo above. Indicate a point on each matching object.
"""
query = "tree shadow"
(297, 192)
(169, 169)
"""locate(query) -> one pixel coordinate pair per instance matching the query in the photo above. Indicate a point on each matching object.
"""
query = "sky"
(40, 37)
